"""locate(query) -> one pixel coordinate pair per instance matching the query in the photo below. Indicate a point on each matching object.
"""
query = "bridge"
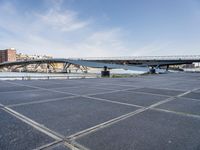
(152, 61)
(138, 63)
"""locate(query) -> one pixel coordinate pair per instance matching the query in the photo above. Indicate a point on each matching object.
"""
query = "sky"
(101, 28)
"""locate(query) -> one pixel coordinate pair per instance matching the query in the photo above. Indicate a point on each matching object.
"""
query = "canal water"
(94, 73)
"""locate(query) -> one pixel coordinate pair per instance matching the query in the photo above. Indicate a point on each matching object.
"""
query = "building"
(189, 65)
(21, 57)
(7, 55)
(33, 67)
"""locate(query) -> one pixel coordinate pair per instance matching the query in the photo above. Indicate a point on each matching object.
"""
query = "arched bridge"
(140, 63)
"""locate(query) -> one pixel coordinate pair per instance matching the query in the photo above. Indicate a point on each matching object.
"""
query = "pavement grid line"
(103, 125)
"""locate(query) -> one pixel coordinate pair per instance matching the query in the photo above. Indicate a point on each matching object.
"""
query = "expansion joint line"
(57, 137)
(70, 139)
(115, 120)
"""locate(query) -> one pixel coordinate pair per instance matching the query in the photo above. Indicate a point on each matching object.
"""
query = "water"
(30, 76)
(192, 69)
(92, 73)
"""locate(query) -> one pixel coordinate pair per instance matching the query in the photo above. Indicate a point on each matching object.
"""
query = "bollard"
(105, 72)
(152, 71)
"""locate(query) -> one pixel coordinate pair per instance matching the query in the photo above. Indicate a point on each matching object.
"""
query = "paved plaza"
(152, 112)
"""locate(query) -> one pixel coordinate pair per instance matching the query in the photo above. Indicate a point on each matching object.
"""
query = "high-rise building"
(7, 55)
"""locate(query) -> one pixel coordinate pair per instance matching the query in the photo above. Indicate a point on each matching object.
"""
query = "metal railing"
(174, 57)
(46, 77)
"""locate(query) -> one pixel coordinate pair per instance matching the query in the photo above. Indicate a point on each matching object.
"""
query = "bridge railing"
(175, 57)
(24, 77)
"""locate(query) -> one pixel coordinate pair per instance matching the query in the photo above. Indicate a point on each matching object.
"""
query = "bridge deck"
(142, 113)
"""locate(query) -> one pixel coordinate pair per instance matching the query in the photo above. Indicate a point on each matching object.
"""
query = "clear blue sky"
(85, 28)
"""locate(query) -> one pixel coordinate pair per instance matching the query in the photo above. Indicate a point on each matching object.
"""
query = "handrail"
(47, 77)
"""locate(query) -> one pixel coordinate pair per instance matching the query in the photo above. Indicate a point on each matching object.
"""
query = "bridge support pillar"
(152, 70)
(105, 72)
(167, 68)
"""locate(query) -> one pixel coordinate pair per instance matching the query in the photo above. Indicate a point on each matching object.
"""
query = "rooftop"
(141, 113)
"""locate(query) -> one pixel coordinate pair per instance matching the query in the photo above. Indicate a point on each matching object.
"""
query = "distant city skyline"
(101, 28)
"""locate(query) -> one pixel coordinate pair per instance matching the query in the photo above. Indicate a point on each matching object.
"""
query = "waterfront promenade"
(153, 112)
